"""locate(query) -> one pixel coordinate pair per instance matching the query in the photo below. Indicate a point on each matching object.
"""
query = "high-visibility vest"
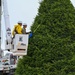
(17, 30)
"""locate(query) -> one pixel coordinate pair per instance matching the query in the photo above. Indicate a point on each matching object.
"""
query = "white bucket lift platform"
(20, 43)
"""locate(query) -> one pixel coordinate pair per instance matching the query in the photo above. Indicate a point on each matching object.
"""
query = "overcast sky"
(21, 10)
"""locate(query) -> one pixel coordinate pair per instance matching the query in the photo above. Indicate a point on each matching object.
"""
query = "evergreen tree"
(51, 50)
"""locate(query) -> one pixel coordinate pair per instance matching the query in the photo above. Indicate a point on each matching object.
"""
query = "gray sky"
(24, 10)
(73, 1)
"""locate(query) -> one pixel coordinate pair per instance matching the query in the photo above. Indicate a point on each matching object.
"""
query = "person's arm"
(28, 32)
(13, 30)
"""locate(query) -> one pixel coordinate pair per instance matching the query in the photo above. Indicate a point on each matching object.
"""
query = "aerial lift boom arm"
(7, 25)
(6, 15)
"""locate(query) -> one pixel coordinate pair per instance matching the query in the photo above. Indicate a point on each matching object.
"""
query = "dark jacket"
(24, 31)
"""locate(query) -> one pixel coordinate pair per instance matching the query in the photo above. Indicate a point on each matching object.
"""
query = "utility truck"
(8, 63)
(17, 47)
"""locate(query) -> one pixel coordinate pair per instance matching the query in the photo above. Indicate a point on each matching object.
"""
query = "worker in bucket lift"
(24, 28)
(17, 29)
